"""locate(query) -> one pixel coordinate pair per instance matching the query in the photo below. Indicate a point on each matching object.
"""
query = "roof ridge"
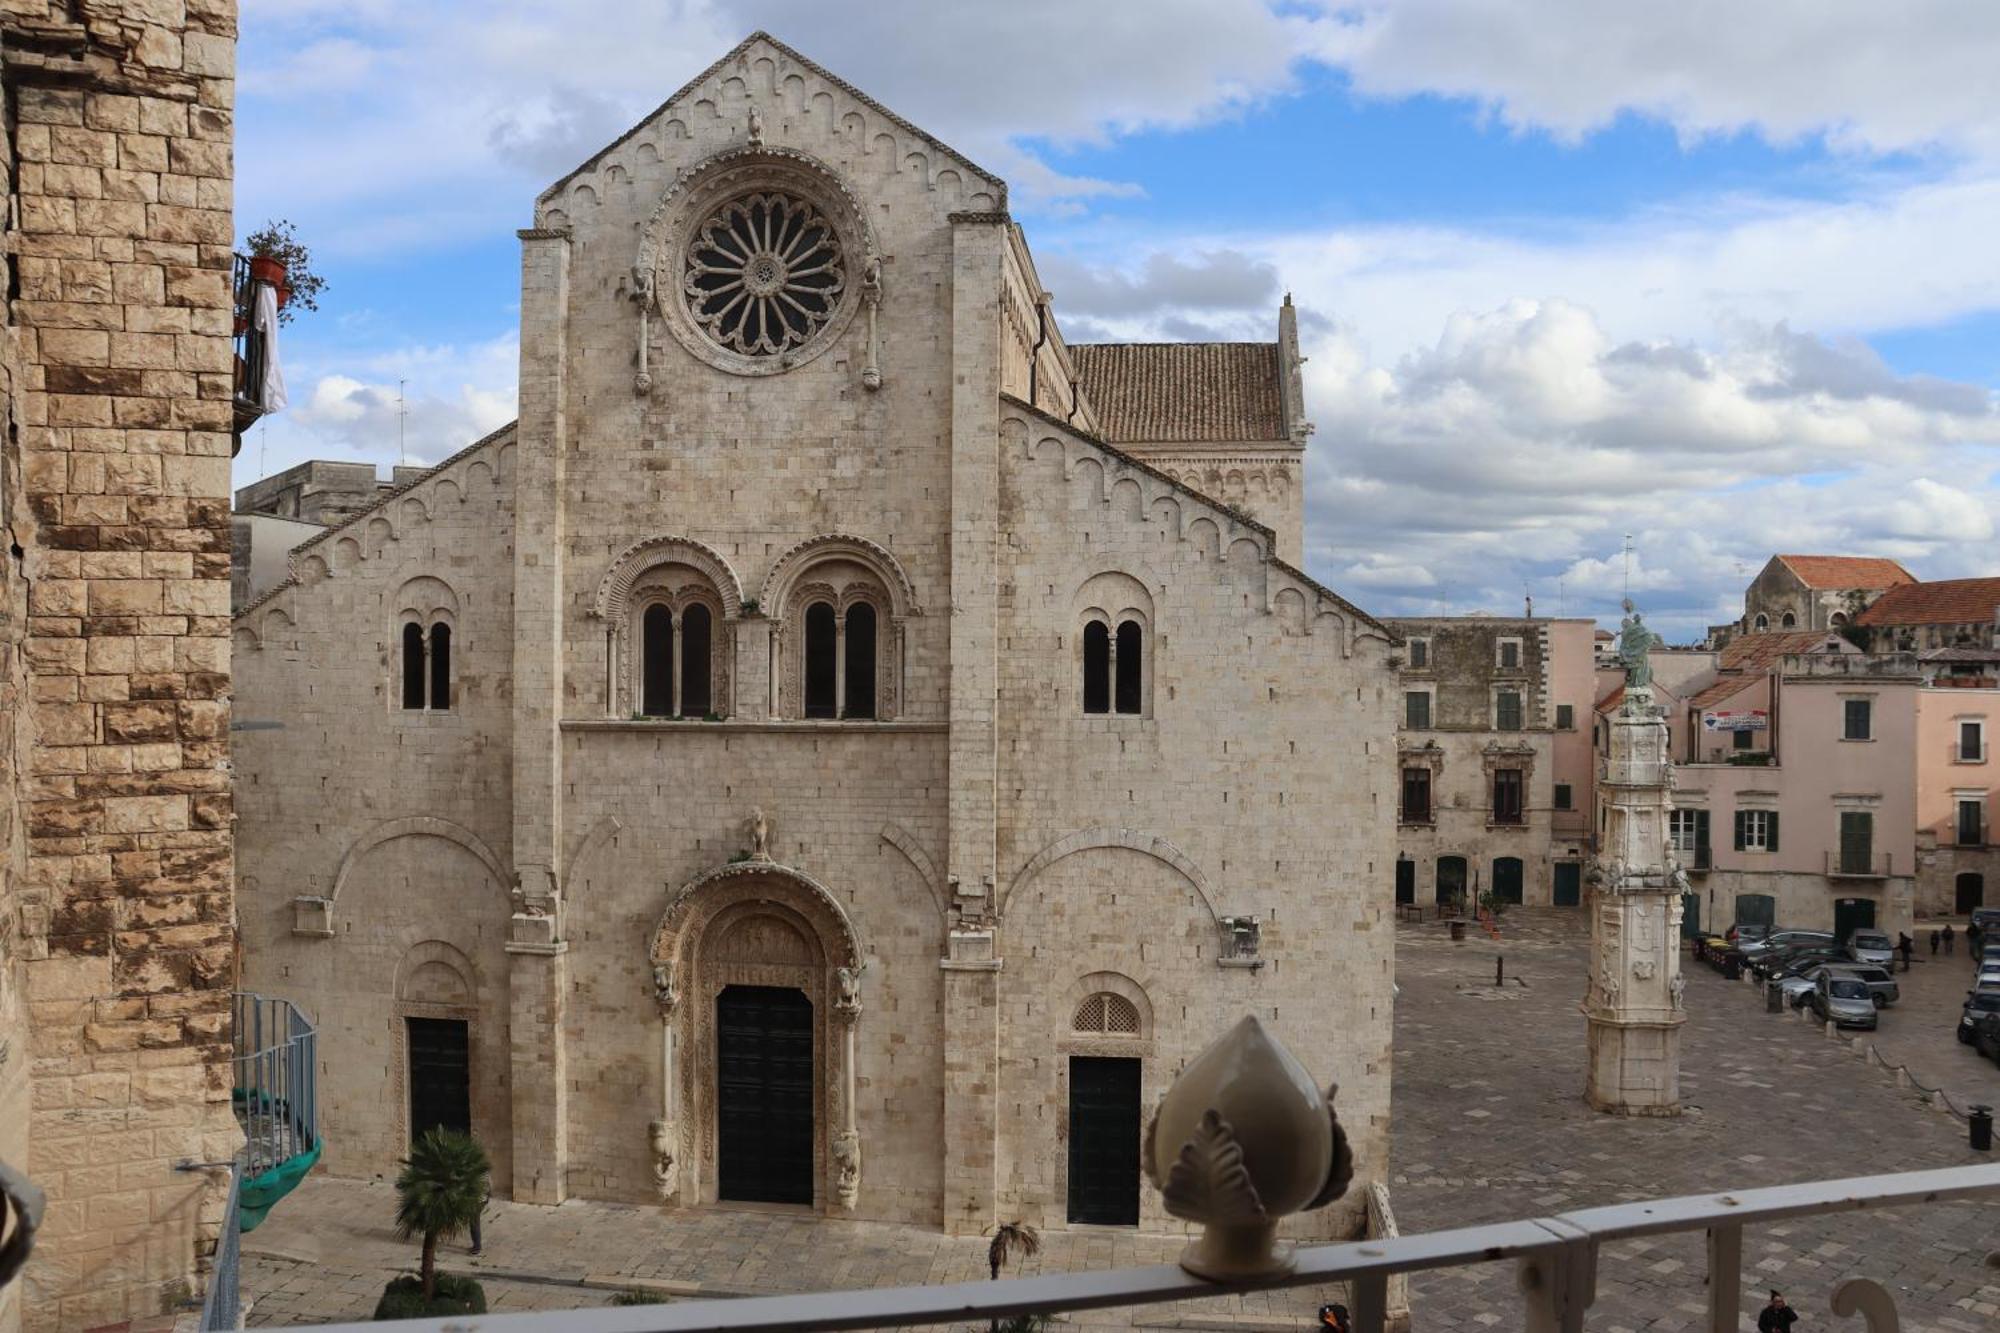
(815, 67)
(1097, 442)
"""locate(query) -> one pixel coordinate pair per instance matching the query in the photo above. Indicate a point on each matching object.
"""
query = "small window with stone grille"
(1106, 1014)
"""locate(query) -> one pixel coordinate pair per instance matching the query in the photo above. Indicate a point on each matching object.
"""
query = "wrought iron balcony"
(1558, 1260)
(1858, 865)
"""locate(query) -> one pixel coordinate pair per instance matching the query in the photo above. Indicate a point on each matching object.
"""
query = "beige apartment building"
(116, 922)
(842, 746)
(1495, 770)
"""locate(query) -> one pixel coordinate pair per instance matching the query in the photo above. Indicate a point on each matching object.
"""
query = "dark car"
(1746, 933)
(1986, 1037)
(1985, 918)
(1796, 960)
(1978, 1004)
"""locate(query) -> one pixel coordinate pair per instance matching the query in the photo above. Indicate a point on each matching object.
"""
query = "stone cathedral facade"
(820, 754)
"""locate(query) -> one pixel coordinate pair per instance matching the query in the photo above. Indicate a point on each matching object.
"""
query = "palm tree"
(439, 1192)
(1012, 1240)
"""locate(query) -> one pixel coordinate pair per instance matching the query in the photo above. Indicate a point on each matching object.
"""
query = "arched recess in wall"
(913, 851)
(415, 827)
(1160, 849)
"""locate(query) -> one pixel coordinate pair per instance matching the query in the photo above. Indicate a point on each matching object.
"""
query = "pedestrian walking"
(1335, 1317)
(1905, 946)
(1948, 938)
(484, 1199)
(1934, 944)
(1777, 1317)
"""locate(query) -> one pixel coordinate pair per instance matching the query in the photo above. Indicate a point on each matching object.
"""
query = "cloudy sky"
(1721, 277)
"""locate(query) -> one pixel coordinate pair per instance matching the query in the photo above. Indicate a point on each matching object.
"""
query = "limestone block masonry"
(766, 711)
(117, 933)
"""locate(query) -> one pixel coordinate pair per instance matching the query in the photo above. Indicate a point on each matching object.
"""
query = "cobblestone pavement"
(1917, 1030)
(1490, 1125)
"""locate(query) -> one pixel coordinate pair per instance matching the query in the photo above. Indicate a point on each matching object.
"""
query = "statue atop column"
(1634, 1002)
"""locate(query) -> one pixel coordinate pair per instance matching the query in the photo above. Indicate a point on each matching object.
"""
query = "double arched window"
(426, 666)
(841, 643)
(677, 657)
(1114, 667)
(426, 610)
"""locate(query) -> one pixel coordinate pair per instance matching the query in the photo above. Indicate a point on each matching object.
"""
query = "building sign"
(1741, 719)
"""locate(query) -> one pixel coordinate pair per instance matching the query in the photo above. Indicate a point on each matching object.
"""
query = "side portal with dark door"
(1104, 1140)
(440, 1075)
(1569, 884)
(764, 1094)
(1406, 880)
(1969, 892)
(1507, 879)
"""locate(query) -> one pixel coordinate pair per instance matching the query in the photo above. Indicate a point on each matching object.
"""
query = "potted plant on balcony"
(279, 257)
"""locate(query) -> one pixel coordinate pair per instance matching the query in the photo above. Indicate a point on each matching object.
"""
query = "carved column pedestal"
(537, 988)
(971, 1081)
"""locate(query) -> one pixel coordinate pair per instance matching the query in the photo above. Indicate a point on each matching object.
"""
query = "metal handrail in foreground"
(1557, 1257)
(222, 1308)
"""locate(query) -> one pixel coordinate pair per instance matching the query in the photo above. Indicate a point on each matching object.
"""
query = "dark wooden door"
(1104, 1140)
(1756, 909)
(1971, 892)
(440, 1075)
(1690, 916)
(1451, 877)
(1507, 878)
(1569, 884)
(1406, 881)
(764, 1101)
(1852, 914)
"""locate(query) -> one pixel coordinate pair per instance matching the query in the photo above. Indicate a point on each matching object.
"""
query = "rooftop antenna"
(1528, 595)
(1562, 599)
(1628, 566)
(402, 412)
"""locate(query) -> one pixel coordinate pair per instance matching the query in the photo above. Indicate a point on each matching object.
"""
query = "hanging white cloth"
(265, 320)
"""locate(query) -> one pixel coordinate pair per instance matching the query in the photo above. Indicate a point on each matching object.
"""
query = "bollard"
(1500, 969)
(1732, 969)
(1980, 1124)
(1774, 998)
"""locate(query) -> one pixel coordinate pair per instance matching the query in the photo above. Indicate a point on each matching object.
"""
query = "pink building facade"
(1958, 866)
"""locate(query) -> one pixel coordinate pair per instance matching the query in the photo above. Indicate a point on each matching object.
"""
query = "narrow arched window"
(440, 665)
(822, 676)
(656, 660)
(413, 666)
(1096, 667)
(1131, 656)
(1789, 621)
(695, 695)
(860, 661)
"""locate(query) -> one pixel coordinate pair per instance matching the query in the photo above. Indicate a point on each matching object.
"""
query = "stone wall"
(120, 930)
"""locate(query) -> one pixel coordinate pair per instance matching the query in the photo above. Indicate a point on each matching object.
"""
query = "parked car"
(1773, 964)
(1985, 919)
(1842, 1001)
(1987, 975)
(1782, 941)
(1986, 1036)
(1798, 987)
(1871, 946)
(1746, 933)
(1978, 1004)
(1877, 979)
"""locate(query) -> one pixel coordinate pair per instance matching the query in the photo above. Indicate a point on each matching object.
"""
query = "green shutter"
(1742, 822)
(1771, 831)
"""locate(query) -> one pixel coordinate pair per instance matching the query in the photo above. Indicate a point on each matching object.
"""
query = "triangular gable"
(740, 53)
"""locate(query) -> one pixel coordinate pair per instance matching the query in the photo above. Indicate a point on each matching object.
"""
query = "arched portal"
(757, 975)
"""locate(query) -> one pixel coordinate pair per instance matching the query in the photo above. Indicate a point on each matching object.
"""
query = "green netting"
(261, 1191)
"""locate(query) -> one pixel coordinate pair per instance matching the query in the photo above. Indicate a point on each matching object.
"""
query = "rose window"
(764, 274)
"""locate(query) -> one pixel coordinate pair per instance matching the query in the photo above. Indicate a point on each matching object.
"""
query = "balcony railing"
(275, 1080)
(1857, 865)
(1558, 1258)
(222, 1308)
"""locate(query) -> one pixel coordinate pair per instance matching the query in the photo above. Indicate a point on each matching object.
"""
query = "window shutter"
(1771, 831)
(1701, 828)
(1742, 821)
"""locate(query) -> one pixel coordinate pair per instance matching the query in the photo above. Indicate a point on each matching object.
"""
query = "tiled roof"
(1945, 602)
(1760, 652)
(1847, 571)
(1157, 393)
(1726, 688)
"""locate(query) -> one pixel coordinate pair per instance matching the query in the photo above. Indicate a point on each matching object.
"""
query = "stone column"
(972, 964)
(536, 971)
(1634, 1002)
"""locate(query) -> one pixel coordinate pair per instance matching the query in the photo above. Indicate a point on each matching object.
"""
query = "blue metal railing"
(275, 1081)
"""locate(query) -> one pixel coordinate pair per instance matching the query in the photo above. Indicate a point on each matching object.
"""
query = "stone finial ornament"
(1241, 1139)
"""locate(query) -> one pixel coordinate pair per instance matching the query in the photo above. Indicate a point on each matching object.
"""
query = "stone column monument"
(1634, 1004)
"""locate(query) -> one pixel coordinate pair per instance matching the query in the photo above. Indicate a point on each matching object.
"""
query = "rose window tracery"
(764, 274)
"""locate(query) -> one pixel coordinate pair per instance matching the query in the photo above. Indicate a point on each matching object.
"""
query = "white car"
(1989, 975)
